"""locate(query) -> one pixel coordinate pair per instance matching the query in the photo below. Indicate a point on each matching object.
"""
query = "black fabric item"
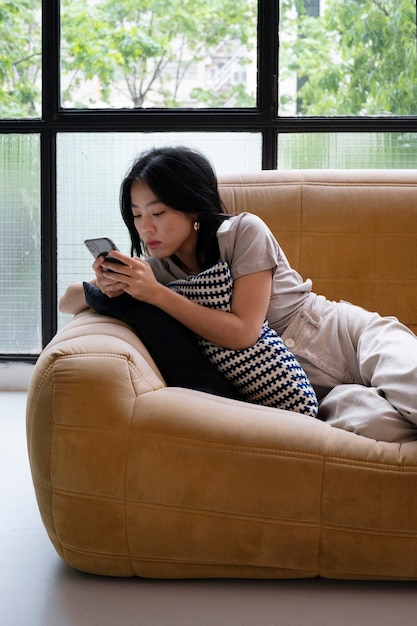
(172, 345)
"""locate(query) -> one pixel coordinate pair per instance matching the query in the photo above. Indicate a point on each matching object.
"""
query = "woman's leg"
(387, 357)
(367, 364)
(364, 411)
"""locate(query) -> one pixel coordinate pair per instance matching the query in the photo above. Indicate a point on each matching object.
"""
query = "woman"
(362, 366)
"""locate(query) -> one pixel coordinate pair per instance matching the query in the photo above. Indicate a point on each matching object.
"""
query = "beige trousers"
(363, 367)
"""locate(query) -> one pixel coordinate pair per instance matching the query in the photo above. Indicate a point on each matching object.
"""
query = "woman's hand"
(135, 277)
(108, 280)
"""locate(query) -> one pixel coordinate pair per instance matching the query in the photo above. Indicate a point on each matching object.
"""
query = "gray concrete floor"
(38, 589)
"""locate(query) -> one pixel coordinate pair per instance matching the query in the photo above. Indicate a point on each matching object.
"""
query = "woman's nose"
(147, 225)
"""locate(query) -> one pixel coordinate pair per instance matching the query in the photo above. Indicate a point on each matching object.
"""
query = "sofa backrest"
(353, 232)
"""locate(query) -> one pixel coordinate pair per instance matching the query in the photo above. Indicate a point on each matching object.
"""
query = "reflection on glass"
(344, 57)
(20, 302)
(164, 54)
(20, 59)
(347, 151)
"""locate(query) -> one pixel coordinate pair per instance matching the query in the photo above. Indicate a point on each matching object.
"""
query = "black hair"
(184, 180)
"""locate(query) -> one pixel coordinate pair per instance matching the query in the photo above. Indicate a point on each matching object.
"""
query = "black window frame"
(263, 119)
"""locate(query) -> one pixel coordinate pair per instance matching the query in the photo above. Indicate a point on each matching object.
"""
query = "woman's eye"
(158, 214)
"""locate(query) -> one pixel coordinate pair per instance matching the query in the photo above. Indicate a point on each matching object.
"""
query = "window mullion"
(50, 106)
(267, 78)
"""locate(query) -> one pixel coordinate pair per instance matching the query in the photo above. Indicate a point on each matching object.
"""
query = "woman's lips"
(153, 244)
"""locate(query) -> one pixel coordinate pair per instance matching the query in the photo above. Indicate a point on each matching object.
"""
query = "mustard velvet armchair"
(134, 478)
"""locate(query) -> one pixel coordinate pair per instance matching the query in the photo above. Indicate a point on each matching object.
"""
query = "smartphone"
(101, 246)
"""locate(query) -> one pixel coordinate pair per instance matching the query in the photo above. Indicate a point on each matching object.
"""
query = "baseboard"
(15, 376)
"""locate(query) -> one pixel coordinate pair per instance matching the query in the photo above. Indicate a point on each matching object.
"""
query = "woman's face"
(163, 230)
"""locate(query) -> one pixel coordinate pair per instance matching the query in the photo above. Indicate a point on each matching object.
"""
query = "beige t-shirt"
(248, 246)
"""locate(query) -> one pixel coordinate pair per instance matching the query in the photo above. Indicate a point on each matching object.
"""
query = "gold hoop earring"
(196, 226)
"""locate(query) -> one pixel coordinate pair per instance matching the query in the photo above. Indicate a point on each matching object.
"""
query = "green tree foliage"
(142, 47)
(358, 58)
(20, 58)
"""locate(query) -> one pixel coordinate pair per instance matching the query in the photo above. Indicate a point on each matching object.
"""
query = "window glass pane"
(347, 150)
(91, 167)
(20, 302)
(347, 57)
(165, 53)
(20, 59)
